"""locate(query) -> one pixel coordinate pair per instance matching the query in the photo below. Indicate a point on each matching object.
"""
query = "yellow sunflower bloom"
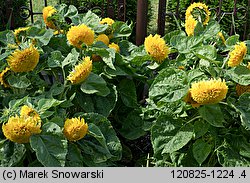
(19, 31)
(115, 47)
(108, 21)
(19, 129)
(188, 99)
(190, 24)
(103, 38)
(3, 77)
(77, 35)
(200, 6)
(156, 47)
(208, 92)
(240, 89)
(23, 60)
(237, 55)
(48, 12)
(81, 71)
(75, 129)
(27, 111)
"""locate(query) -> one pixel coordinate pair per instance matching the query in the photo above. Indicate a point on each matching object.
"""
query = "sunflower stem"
(193, 119)
(28, 153)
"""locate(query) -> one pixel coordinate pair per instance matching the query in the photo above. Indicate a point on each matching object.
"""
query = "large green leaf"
(55, 59)
(11, 154)
(21, 82)
(201, 150)
(121, 29)
(102, 144)
(206, 52)
(169, 86)
(74, 156)
(180, 139)
(50, 146)
(240, 75)
(46, 103)
(95, 84)
(98, 104)
(232, 40)
(243, 107)
(42, 35)
(212, 114)
(127, 91)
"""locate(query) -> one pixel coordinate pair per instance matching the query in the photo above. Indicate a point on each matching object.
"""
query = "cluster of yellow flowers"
(206, 92)
(19, 129)
(191, 21)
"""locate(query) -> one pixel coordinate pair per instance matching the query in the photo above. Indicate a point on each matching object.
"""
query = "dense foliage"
(76, 92)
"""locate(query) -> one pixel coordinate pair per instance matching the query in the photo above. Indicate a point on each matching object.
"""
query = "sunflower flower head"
(237, 55)
(19, 129)
(77, 35)
(48, 12)
(208, 92)
(18, 32)
(23, 60)
(81, 71)
(103, 38)
(75, 129)
(240, 89)
(156, 47)
(190, 25)
(115, 47)
(27, 111)
(108, 21)
(3, 75)
(198, 9)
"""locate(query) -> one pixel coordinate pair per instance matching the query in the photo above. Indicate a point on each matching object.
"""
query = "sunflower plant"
(76, 92)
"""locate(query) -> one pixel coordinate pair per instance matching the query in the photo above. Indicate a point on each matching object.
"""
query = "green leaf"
(240, 75)
(74, 156)
(201, 150)
(56, 89)
(107, 55)
(169, 86)
(95, 84)
(127, 91)
(243, 107)
(167, 37)
(50, 146)
(211, 30)
(206, 52)
(56, 59)
(11, 154)
(18, 82)
(200, 128)
(212, 114)
(132, 125)
(232, 40)
(7, 36)
(71, 58)
(180, 139)
(121, 29)
(112, 141)
(44, 104)
(42, 35)
(98, 104)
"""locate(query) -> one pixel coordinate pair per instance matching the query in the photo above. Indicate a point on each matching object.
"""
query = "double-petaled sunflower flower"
(237, 55)
(47, 13)
(103, 38)
(27, 111)
(156, 47)
(207, 92)
(77, 35)
(19, 129)
(23, 60)
(115, 47)
(240, 89)
(3, 77)
(81, 71)
(108, 21)
(200, 6)
(75, 129)
(18, 32)
(190, 24)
